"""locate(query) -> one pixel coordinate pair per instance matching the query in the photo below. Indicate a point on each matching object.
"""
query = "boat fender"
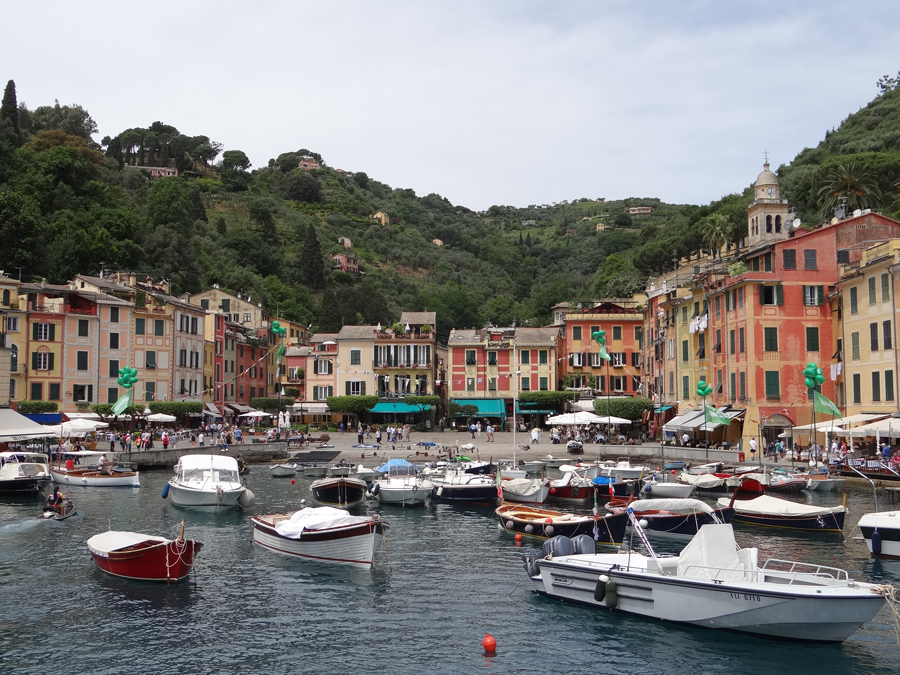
(247, 499)
(440, 491)
(600, 588)
(528, 528)
(612, 594)
(376, 489)
(165, 492)
(548, 530)
(876, 542)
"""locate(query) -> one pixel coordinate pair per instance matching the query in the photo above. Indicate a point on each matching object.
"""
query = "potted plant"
(426, 329)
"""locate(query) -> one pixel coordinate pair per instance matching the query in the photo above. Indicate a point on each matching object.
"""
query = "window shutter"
(50, 360)
(362, 388)
(820, 295)
(330, 367)
(34, 358)
(90, 392)
(52, 332)
(347, 388)
(762, 294)
(34, 331)
(779, 295)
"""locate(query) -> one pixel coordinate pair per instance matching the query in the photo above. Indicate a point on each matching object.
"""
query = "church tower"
(767, 215)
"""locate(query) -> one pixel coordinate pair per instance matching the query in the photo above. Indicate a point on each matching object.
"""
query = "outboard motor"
(532, 563)
(584, 543)
(558, 545)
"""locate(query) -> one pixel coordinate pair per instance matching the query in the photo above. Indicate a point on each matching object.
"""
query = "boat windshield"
(214, 475)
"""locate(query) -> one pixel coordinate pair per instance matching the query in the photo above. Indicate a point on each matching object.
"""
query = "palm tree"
(716, 232)
(851, 183)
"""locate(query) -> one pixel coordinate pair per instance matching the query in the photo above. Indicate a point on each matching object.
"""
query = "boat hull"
(352, 545)
(669, 490)
(95, 478)
(888, 526)
(571, 494)
(204, 499)
(824, 484)
(537, 496)
(24, 484)
(340, 492)
(283, 470)
(406, 496)
(169, 561)
(471, 494)
(830, 522)
(677, 524)
(744, 607)
(531, 522)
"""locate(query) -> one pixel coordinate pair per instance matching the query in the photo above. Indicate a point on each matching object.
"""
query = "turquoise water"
(448, 576)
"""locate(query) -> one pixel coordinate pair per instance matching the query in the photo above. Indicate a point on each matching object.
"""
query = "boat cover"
(107, 542)
(708, 480)
(317, 518)
(773, 506)
(682, 506)
(217, 462)
(521, 486)
(396, 464)
(711, 554)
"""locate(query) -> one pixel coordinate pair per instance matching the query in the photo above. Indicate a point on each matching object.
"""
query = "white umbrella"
(580, 417)
(257, 413)
(613, 420)
(161, 417)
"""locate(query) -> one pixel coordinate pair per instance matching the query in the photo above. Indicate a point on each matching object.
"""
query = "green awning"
(533, 411)
(487, 407)
(662, 408)
(398, 407)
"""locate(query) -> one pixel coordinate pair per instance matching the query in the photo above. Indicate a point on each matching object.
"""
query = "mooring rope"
(890, 594)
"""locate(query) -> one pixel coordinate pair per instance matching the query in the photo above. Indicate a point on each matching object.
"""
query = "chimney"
(132, 280)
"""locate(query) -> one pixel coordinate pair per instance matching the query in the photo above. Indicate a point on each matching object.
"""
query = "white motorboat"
(552, 462)
(322, 534)
(535, 468)
(340, 470)
(713, 584)
(283, 470)
(364, 474)
(23, 471)
(208, 481)
(667, 490)
(507, 469)
(464, 487)
(94, 471)
(315, 471)
(823, 482)
(881, 531)
(625, 470)
(525, 490)
(401, 485)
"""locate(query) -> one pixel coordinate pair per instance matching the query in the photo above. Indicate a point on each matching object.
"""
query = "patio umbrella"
(257, 413)
(611, 419)
(161, 417)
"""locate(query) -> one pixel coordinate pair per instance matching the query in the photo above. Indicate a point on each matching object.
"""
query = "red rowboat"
(143, 556)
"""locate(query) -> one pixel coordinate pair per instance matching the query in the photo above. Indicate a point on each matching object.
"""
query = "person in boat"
(55, 499)
(104, 464)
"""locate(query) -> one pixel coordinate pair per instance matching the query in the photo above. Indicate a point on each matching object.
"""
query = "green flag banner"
(823, 404)
(715, 416)
(123, 403)
(603, 354)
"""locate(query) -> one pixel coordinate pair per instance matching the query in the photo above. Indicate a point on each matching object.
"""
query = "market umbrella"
(161, 417)
(257, 413)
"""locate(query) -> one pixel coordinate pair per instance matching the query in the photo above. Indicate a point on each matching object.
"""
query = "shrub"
(271, 402)
(36, 407)
(629, 408)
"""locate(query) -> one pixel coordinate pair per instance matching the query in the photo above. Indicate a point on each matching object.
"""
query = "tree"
(361, 179)
(354, 405)
(545, 399)
(628, 408)
(9, 109)
(312, 267)
(235, 160)
(888, 83)
(271, 402)
(716, 232)
(73, 120)
(169, 203)
(260, 212)
(20, 227)
(618, 278)
(178, 409)
(303, 187)
(848, 184)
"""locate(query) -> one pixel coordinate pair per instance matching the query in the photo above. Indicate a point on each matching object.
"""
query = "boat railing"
(806, 569)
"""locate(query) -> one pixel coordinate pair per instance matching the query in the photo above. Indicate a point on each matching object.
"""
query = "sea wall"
(251, 453)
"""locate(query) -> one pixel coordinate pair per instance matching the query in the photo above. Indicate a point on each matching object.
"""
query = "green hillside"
(71, 205)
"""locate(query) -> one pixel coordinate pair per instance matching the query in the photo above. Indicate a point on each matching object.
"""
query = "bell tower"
(767, 214)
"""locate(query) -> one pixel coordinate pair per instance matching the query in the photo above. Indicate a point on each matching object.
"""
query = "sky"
(505, 102)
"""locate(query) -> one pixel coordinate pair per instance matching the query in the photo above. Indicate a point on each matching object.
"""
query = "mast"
(515, 377)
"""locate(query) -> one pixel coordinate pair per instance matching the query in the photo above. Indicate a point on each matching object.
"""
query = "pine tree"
(521, 241)
(9, 110)
(312, 270)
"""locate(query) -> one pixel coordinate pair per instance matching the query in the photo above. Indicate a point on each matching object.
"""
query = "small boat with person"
(712, 583)
(322, 534)
(58, 507)
(144, 557)
(97, 471)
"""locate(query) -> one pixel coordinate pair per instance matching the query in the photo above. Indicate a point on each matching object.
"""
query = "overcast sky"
(520, 102)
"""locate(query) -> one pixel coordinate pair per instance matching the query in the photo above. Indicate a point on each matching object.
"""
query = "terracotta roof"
(357, 333)
(322, 337)
(418, 318)
(465, 336)
(534, 336)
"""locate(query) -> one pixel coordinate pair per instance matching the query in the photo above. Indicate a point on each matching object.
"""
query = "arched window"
(14, 360)
(6, 298)
(777, 224)
(769, 224)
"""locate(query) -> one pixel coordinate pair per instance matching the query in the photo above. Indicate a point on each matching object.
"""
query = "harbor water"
(445, 577)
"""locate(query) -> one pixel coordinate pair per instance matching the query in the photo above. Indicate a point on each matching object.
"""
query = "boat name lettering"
(746, 596)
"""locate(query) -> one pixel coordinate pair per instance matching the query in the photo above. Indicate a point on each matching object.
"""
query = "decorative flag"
(715, 416)
(825, 405)
(123, 402)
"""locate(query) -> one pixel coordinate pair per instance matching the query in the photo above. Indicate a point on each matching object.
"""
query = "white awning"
(239, 408)
(311, 408)
(212, 410)
(679, 422)
(826, 425)
(16, 427)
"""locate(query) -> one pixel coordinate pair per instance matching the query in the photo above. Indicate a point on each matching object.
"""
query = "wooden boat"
(283, 470)
(681, 517)
(99, 474)
(323, 534)
(573, 487)
(677, 465)
(23, 471)
(782, 481)
(142, 556)
(668, 490)
(340, 469)
(341, 491)
(545, 523)
(746, 485)
(774, 512)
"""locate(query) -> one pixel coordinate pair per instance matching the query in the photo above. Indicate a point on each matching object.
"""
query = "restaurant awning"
(730, 414)
(311, 408)
(212, 410)
(827, 424)
(662, 408)
(239, 408)
(676, 423)
(399, 407)
(487, 407)
(533, 411)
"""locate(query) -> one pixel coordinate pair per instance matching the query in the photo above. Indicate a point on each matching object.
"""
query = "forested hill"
(69, 204)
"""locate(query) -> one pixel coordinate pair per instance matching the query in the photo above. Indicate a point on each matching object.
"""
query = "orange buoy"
(673, 472)
(518, 536)
(489, 644)
(293, 481)
(548, 520)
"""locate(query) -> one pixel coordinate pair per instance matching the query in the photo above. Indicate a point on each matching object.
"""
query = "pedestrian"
(378, 437)
(112, 442)
(478, 429)
(490, 433)
(752, 449)
(473, 429)
(165, 440)
(201, 439)
(359, 435)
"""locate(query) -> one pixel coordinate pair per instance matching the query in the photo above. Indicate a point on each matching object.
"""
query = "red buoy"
(518, 536)
(362, 455)
(673, 472)
(293, 481)
(552, 491)
(489, 644)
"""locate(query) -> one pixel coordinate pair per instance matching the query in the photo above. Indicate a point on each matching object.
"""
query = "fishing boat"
(574, 487)
(340, 491)
(464, 487)
(23, 471)
(712, 584)
(207, 482)
(401, 485)
(283, 470)
(545, 523)
(783, 481)
(674, 517)
(142, 556)
(774, 512)
(747, 485)
(623, 469)
(340, 469)
(323, 534)
(525, 490)
(676, 465)
(95, 472)
(552, 462)
(535, 468)
(881, 531)
(823, 482)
